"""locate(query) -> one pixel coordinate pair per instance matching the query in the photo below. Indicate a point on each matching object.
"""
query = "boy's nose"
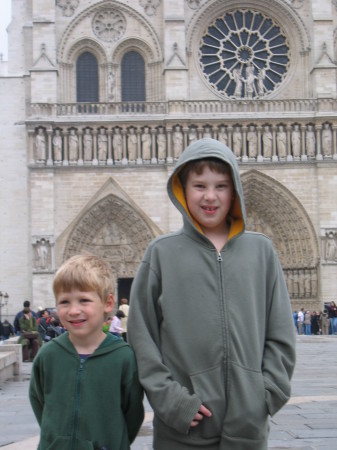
(209, 194)
(74, 308)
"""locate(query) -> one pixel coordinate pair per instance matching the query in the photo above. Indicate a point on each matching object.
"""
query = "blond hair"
(86, 273)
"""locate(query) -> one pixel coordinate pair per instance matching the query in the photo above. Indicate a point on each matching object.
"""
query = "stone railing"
(263, 108)
(159, 141)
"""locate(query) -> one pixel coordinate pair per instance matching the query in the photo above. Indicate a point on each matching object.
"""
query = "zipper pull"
(219, 257)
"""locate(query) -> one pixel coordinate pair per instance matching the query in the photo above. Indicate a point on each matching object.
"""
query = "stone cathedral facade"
(100, 97)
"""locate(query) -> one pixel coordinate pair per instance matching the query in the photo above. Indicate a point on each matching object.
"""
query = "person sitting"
(29, 338)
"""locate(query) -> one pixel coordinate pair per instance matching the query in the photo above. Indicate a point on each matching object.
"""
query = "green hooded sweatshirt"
(86, 403)
(212, 328)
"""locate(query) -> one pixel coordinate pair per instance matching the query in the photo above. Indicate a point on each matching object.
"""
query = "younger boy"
(84, 388)
(210, 318)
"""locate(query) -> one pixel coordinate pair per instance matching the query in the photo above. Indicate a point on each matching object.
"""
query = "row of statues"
(159, 145)
(301, 283)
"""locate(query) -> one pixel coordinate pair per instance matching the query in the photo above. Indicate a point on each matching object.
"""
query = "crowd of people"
(316, 322)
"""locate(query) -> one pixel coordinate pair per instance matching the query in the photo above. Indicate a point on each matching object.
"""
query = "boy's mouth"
(76, 322)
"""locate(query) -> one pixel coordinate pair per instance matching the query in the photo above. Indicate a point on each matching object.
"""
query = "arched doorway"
(273, 210)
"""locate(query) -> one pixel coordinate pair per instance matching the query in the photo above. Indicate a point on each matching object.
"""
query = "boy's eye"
(62, 302)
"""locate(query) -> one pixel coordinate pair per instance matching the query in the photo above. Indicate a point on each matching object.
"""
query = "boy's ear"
(109, 304)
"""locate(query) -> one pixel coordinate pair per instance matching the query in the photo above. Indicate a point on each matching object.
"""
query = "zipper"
(219, 257)
(77, 404)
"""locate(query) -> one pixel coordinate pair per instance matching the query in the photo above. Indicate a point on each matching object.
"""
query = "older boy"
(84, 387)
(210, 318)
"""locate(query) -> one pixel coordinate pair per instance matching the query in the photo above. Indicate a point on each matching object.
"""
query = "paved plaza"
(307, 422)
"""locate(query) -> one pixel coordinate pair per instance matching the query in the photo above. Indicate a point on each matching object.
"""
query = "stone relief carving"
(109, 25)
(42, 253)
(68, 6)
(113, 230)
(150, 6)
(73, 146)
(146, 144)
(329, 246)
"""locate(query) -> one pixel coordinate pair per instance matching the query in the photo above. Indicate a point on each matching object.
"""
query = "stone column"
(229, 136)
(334, 142)
(304, 157)
(244, 143)
(125, 159)
(274, 155)
(139, 147)
(169, 158)
(94, 140)
(49, 149)
(319, 155)
(80, 161)
(153, 148)
(65, 147)
(110, 160)
(289, 155)
(259, 150)
(31, 134)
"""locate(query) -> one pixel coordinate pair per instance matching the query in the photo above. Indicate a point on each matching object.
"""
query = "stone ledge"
(7, 363)
(9, 346)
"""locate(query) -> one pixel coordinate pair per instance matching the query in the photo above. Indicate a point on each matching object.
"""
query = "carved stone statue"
(281, 141)
(250, 79)
(117, 142)
(207, 132)
(267, 140)
(177, 142)
(57, 146)
(42, 250)
(238, 82)
(132, 145)
(222, 135)
(102, 141)
(161, 143)
(73, 146)
(310, 142)
(87, 145)
(40, 145)
(237, 142)
(296, 141)
(146, 144)
(252, 142)
(192, 135)
(326, 140)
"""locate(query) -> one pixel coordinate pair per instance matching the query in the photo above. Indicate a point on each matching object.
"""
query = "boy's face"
(82, 313)
(209, 198)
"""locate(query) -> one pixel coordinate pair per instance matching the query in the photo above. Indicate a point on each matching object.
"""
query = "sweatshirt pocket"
(208, 385)
(247, 412)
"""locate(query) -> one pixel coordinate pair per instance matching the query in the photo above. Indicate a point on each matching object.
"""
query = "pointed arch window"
(133, 77)
(87, 78)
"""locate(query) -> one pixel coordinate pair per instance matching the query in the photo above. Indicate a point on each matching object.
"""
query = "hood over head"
(201, 149)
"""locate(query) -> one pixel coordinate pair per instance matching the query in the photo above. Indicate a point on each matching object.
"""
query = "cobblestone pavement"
(307, 422)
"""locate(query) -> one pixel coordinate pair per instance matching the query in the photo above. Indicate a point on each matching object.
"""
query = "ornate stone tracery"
(244, 54)
(109, 25)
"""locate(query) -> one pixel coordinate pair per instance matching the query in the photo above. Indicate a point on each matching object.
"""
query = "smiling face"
(82, 314)
(209, 197)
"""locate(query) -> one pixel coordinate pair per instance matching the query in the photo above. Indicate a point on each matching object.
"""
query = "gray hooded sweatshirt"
(212, 328)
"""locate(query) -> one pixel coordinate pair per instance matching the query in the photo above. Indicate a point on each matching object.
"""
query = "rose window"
(244, 54)
(109, 25)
